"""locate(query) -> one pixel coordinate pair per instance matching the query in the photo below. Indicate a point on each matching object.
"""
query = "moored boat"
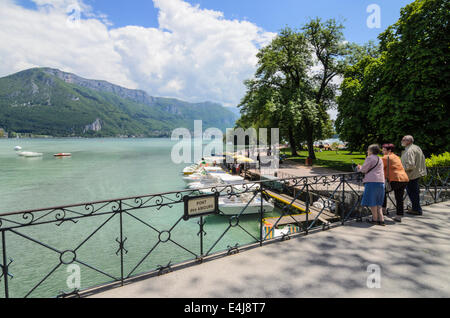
(246, 203)
(190, 170)
(202, 176)
(62, 154)
(239, 198)
(30, 154)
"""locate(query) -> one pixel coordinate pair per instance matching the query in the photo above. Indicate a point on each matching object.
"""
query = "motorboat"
(237, 193)
(30, 154)
(228, 178)
(210, 163)
(245, 203)
(191, 169)
(222, 179)
(269, 231)
(62, 154)
(213, 169)
(208, 188)
(17, 148)
(201, 176)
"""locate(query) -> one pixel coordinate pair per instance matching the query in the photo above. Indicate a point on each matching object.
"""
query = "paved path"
(296, 169)
(291, 169)
(414, 258)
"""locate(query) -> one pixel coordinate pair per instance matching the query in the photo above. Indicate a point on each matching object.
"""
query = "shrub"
(442, 160)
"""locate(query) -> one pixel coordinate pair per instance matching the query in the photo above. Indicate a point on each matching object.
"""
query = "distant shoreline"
(78, 137)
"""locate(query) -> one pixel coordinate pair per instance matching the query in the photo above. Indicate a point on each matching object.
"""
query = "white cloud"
(195, 54)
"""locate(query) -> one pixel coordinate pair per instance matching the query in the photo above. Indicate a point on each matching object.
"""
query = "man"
(413, 161)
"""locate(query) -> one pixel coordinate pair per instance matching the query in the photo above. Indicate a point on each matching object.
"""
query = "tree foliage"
(405, 90)
(292, 88)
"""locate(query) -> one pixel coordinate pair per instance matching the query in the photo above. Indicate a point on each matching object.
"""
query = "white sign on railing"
(200, 205)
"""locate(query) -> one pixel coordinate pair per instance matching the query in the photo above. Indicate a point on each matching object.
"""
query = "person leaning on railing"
(396, 176)
(413, 161)
(373, 195)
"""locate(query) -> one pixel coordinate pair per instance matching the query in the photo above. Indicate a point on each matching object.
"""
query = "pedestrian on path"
(373, 195)
(396, 179)
(413, 161)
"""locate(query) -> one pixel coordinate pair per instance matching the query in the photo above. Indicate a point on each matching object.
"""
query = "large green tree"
(406, 89)
(293, 85)
(277, 94)
(360, 82)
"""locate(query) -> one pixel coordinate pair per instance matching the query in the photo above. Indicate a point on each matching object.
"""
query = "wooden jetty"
(325, 217)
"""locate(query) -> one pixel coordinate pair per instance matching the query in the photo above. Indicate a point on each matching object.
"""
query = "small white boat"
(213, 169)
(222, 187)
(190, 170)
(200, 177)
(235, 204)
(228, 178)
(17, 148)
(30, 154)
(62, 154)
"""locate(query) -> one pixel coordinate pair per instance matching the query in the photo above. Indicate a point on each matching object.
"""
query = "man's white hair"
(409, 138)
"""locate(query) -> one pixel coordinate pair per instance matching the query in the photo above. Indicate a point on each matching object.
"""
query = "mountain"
(235, 111)
(45, 101)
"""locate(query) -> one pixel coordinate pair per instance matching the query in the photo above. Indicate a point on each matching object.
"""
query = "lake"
(100, 169)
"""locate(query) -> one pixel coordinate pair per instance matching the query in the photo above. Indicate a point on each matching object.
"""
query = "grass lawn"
(342, 160)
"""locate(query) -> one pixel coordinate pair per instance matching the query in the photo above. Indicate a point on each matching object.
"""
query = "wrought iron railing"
(115, 241)
(433, 189)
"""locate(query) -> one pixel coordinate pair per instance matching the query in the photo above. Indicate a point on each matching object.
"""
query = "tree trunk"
(292, 142)
(310, 142)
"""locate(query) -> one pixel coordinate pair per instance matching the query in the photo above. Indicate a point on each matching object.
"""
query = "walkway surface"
(413, 258)
(289, 169)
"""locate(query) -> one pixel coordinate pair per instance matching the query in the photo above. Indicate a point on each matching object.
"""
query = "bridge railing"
(433, 189)
(70, 250)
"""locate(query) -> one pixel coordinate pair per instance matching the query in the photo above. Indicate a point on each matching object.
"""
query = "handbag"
(387, 184)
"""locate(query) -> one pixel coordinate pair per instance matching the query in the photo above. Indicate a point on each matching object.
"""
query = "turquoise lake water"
(99, 169)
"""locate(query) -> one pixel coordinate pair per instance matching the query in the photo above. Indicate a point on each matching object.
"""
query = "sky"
(194, 50)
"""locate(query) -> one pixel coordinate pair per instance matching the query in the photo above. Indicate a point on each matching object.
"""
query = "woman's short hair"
(375, 149)
(389, 147)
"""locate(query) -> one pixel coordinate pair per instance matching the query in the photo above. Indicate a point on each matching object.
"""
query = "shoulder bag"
(387, 184)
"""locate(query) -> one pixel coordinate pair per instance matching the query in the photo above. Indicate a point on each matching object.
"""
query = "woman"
(373, 195)
(396, 176)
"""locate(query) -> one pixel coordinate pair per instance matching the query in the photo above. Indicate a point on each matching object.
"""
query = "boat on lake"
(244, 203)
(30, 154)
(210, 163)
(191, 169)
(238, 196)
(62, 154)
(201, 176)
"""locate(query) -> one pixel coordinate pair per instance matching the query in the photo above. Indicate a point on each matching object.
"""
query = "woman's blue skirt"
(373, 194)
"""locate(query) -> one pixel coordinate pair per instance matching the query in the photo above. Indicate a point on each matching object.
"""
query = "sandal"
(381, 223)
(371, 221)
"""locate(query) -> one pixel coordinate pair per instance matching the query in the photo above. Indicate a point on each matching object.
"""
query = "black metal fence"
(68, 250)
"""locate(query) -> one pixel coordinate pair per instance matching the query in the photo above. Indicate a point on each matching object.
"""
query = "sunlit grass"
(340, 160)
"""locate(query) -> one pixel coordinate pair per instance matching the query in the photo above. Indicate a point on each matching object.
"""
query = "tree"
(414, 95)
(355, 102)
(287, 93)
(328, 44)
(405, 90)
(277, 94)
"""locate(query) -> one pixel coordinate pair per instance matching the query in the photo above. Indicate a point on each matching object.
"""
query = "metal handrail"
(341, 190)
